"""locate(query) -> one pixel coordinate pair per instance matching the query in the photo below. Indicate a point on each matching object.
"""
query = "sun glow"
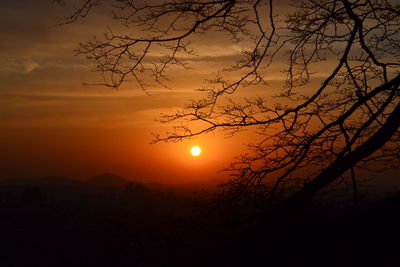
(195, 151)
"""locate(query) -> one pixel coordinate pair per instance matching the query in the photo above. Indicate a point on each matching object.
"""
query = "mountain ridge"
(102, 180)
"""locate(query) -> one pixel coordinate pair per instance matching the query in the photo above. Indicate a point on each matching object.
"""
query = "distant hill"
(103, 180)
(107, 180)
(48, 180)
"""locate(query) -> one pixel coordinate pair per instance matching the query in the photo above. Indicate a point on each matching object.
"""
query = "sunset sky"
(52, 124)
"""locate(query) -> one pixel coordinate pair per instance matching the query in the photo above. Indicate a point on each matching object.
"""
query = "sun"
(195, 151)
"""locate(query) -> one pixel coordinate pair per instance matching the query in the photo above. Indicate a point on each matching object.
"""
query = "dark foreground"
(68, 226)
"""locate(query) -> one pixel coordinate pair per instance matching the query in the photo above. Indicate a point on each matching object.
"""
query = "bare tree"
(320, 127)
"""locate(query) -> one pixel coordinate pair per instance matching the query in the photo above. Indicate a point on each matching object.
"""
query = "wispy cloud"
(22, 65)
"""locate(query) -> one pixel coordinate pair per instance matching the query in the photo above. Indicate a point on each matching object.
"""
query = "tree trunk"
(341, 165)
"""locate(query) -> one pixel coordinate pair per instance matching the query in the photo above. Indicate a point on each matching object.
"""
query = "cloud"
(22, 65)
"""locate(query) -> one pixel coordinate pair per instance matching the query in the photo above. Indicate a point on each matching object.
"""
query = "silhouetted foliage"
(338, 108)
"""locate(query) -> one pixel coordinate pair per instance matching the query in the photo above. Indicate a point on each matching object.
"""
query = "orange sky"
(51, 124)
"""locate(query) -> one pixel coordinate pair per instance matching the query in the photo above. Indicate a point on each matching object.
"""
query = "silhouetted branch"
(321, 132)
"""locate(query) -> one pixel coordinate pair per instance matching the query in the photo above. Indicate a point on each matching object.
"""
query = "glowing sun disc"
(195, 151)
